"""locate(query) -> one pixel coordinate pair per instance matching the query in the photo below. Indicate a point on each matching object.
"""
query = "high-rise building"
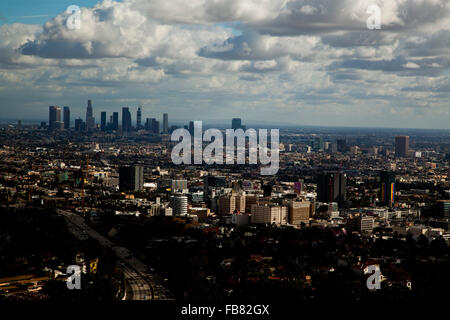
(66, 118)
(299, 212)
(401, 146)
(152, 125)
(179, 204)
(90, 120)
(54, 118)
(240, 203)
(387, 188)
(226, 204)
(131, 178)
(165, 123)
(126, 119)
(360, 223)
(79, 126)
(341, 145)
(210, 182)
(236, 123)
(115, 122)
(103, 121)
(269, 214)
(331, 187)
(139, 118)
(318, 144)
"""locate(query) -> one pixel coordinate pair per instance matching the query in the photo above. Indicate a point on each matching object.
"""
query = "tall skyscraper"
(126, 119)
(90, 120)
(317, 144)
(401, 146)
(54, 118)
(165, 123)
(236, 123)
(387, 187)
(66, 118)
(152, 125)
(139, 119)
(103, 121)
(331, 187)
(179, 204)
(79, 124)
(115, 121)
(341, 145)
(131, 178)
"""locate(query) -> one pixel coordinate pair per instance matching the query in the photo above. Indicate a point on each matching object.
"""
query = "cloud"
(224, 55)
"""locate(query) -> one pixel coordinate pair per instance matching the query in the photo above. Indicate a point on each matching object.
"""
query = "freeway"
(139, 283)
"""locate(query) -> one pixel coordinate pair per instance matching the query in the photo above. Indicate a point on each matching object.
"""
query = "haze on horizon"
(306, 62)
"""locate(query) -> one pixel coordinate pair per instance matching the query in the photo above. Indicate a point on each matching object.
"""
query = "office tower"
(443, 209)
(155, 126)
(179, 204)
(240, 203)
(226, 204)
(267, 189)
(152, 125)
(79, 124)
(269, 214)
(318, 144)
(401, 146)
(360, 223)
(126, 120)
(139, 118)
(333, 147)
(165, 123)
(131, 178)
(103, 121)
(115, 122)
(191, 127)
(19, 125)
(172, 185)
(211, 182)
(331, 187)
(387, 188)
(66, 118)
(236, 123)
(54, 122)
(299, 212)
(90, 120)
(341, 145)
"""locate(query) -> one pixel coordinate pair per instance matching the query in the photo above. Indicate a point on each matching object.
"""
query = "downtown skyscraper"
(54, 118)
(66, 118)
(139, 118)
(165, 123)
(90, 120)
(126, 119)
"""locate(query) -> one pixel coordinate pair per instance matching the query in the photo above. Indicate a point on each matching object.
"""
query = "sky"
(300, 62)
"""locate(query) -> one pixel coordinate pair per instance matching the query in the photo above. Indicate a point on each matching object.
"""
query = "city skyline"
(294, 62)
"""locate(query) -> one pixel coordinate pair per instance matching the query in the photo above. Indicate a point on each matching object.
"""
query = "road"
(140, 284)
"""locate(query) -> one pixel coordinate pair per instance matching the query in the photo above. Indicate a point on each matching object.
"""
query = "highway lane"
(139, 283)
